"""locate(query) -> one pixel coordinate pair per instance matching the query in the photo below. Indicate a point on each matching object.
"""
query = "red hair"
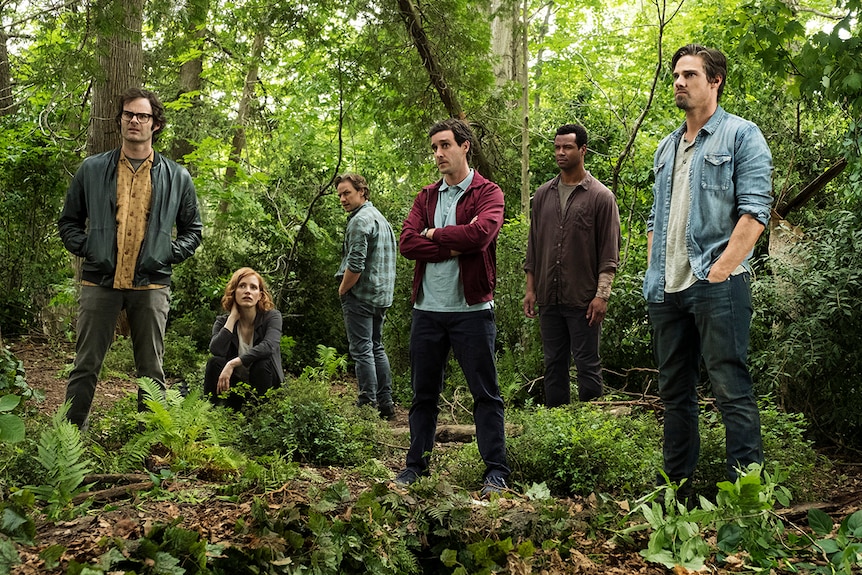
(265, 302)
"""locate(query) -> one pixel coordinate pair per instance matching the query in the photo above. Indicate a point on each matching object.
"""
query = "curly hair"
(265, 302)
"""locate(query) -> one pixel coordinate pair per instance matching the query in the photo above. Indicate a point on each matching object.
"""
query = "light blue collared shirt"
(442, 290)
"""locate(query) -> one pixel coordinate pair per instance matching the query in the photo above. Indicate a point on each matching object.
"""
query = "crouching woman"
(245, 341)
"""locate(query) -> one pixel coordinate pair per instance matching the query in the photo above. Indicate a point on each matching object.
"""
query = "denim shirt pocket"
(717, 172)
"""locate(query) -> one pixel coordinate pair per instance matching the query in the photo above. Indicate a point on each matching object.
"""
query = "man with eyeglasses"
(119, 216)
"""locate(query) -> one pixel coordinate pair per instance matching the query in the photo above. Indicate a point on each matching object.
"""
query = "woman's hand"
(224, 377)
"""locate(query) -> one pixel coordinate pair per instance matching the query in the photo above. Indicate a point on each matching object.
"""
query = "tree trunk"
(191, 71)
(505, 43)
(410, 15)
(239, 137)
(524, 78)
(121, 58)
(6, 102)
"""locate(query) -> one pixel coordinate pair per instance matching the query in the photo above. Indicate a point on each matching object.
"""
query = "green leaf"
(9, 402)
(829, 546)
(854, 525)
(820, 522)
(729, 536)
(11, 428)
(449, 557)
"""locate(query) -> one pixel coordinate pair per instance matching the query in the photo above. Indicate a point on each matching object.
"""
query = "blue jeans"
(470, 335)
(566, 333)
(364, 325)
(713, 321)
(99, 308)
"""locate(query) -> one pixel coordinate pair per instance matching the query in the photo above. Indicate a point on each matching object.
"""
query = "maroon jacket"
(476, 241)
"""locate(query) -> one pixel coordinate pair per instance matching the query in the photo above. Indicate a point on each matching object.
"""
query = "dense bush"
(785, 446)
(32, 187)
(306, 422)
(806, 335)
(581, 449)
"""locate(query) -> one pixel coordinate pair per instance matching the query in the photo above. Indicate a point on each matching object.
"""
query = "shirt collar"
(462, 185)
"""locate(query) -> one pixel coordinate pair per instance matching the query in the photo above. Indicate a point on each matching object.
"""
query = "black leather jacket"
(88, 224)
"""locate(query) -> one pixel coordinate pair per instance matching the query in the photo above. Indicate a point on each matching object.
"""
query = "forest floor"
(194, 503)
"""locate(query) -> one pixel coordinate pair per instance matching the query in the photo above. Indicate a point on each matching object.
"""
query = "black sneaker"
(406, 476)
(494, 484)
(387, 411)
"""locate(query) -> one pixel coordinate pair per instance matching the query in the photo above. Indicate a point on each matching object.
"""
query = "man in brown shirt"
(120, 214)
(573, 252)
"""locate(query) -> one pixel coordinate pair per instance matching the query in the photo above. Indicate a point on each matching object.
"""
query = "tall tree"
(191, 68)
(119, 51)
(412, 18)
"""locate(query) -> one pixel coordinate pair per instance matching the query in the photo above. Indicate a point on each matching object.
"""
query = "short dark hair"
(155, 103)
(714, 62)
(579, 131)
(460, 129)
(355, 180)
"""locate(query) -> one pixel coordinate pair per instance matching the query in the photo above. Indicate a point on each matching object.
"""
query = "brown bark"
(812, 188)
(112, 493)
(121, 60)
(6, 101)
(191, 71)
(239, 136)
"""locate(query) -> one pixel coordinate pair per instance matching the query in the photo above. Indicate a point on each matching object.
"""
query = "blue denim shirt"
(730, 175)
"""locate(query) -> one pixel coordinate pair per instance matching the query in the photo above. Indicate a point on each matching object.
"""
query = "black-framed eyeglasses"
(140, 116)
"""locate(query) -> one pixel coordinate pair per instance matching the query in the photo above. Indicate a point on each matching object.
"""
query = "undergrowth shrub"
(785, 444)
(187, 432)
(805, 339)
(580, 449)
(182, 359)
(306, 422)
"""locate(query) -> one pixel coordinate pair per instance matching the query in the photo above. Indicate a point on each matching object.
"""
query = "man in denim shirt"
(713, 178)
(366, 282)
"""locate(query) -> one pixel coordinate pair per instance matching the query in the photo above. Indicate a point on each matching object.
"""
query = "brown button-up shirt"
(134, 196)
(568, 248)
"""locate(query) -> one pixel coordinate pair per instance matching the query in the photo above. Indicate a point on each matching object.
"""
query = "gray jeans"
(98, 310)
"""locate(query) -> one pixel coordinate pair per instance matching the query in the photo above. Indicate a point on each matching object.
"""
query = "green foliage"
(8, 556)
(14, 393)
(62, 457)
(16, 522)
(843, 549)
(187, 432)
(521, 359)
(626, 334)
(303, 420)
(166, 550)
(745, 528)
(182, 358)
(120, 359)
(32, 186)
(742, 517)
(785, 444)
(580, 449)
(808, 326)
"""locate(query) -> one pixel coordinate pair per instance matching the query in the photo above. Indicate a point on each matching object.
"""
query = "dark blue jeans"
(567, 334)
(470, 336)
(712, 321)
(364, 325)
